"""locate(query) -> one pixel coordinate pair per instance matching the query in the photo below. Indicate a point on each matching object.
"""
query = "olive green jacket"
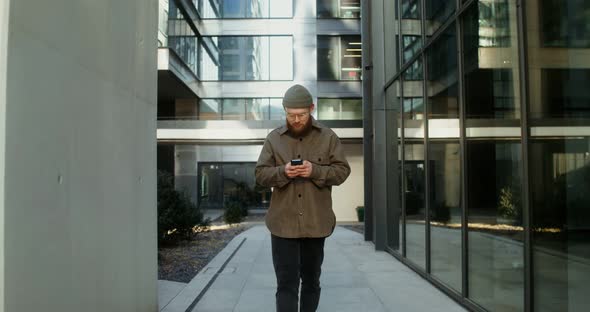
(302, 207)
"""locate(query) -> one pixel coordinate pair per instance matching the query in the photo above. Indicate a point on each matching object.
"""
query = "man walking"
(301, 161)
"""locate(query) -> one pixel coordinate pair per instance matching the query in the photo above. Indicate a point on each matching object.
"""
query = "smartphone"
(296, 162)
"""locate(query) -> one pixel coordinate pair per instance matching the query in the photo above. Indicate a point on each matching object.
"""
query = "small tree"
(178, 217)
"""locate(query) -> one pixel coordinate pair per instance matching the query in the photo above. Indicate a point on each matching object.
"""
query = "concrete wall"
(346, 197)
(79, 181)
(4, 10)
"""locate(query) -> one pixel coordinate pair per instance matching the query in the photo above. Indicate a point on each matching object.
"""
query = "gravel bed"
(181, 262)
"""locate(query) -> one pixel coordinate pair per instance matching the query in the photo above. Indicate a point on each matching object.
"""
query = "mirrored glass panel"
(492, 84)
(247, 58)
(338, 8)
(257, 109)
(437, 12)
(560, 185)
(210, 109)
(415, 201)
(339, 109)
(339, 57)
(228, 9)
(444, 159)
(495, 224)
(442, 86)
(277, 111)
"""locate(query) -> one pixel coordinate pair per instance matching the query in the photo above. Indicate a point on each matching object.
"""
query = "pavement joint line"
(212, 280)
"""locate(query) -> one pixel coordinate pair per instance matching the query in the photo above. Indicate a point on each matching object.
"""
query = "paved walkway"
(355, 277)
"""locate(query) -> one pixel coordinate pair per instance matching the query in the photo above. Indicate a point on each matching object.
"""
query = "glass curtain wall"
(339, 57)
(176, 34)
(340, 109)
(559, 152)
(494, 177)
(240, 109)
(338, 8)
(247, 58)
(251, 9)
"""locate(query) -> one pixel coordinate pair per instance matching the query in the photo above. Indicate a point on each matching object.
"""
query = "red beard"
(302, 131)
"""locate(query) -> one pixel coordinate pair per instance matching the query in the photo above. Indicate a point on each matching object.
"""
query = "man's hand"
(291, 171)
(298, 171)
(305, 169)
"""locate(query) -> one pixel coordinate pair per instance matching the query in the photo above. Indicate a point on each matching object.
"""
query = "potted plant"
(360, 213)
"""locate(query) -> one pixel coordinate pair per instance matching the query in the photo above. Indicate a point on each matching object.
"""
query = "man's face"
(299, 119)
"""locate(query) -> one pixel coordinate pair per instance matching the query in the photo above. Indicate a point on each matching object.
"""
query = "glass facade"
(339, 109)
(492, 107)
(339, 58)
(247, 58)
(250, 9)
(240, 109)
(338, 8)
(175, 33)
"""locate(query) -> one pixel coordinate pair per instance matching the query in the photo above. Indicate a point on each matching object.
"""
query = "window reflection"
(240, 109)
(218, 9)
(340, 109)
(565, 23)
(247, 58)
(415, 201)
(410, 9)
(491, 61)
(339, 58)
(338, 8)
(437, 13)
(445, 212)
(495, 233)
(560, 183)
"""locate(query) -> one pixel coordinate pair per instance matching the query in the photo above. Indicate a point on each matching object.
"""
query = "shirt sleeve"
(267, 172)
(334, 173)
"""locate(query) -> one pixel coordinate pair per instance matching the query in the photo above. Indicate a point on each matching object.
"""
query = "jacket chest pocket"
(320, 159)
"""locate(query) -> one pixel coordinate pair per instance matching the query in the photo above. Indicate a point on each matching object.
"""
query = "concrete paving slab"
(167, 290)
(355, 277)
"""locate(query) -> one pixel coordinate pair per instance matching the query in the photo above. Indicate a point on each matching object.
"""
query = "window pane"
(491, 61)
(560, 184)
(340, 109)
(257, 109)
(445, 210)
(281, 8)
(442, 87)
(495, 232)
(338, 8)
(247, 58)
(339, 58)
(437, 13)
(411, 9)
(281, 58)
(565, 23)
(559, 73)
(415, 202)
(277, 112)
(209, 109)
(233, 109)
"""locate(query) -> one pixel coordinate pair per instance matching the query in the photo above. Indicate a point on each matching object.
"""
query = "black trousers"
(297, 260)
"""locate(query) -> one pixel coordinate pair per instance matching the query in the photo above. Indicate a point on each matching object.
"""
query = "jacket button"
(301, 213)
(300, 139)
(299, 195)
(319, 159)
(299, 156)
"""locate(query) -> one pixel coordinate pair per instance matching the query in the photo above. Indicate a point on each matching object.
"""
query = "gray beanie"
(297, 97)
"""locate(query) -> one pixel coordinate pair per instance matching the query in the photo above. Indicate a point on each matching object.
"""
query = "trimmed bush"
(178, 217)
(233, 212)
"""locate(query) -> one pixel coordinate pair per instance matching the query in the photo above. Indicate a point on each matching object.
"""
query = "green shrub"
(178, 217)
(233, 212)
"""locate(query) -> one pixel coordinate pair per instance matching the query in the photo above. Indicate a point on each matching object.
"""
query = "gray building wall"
(77, 155)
